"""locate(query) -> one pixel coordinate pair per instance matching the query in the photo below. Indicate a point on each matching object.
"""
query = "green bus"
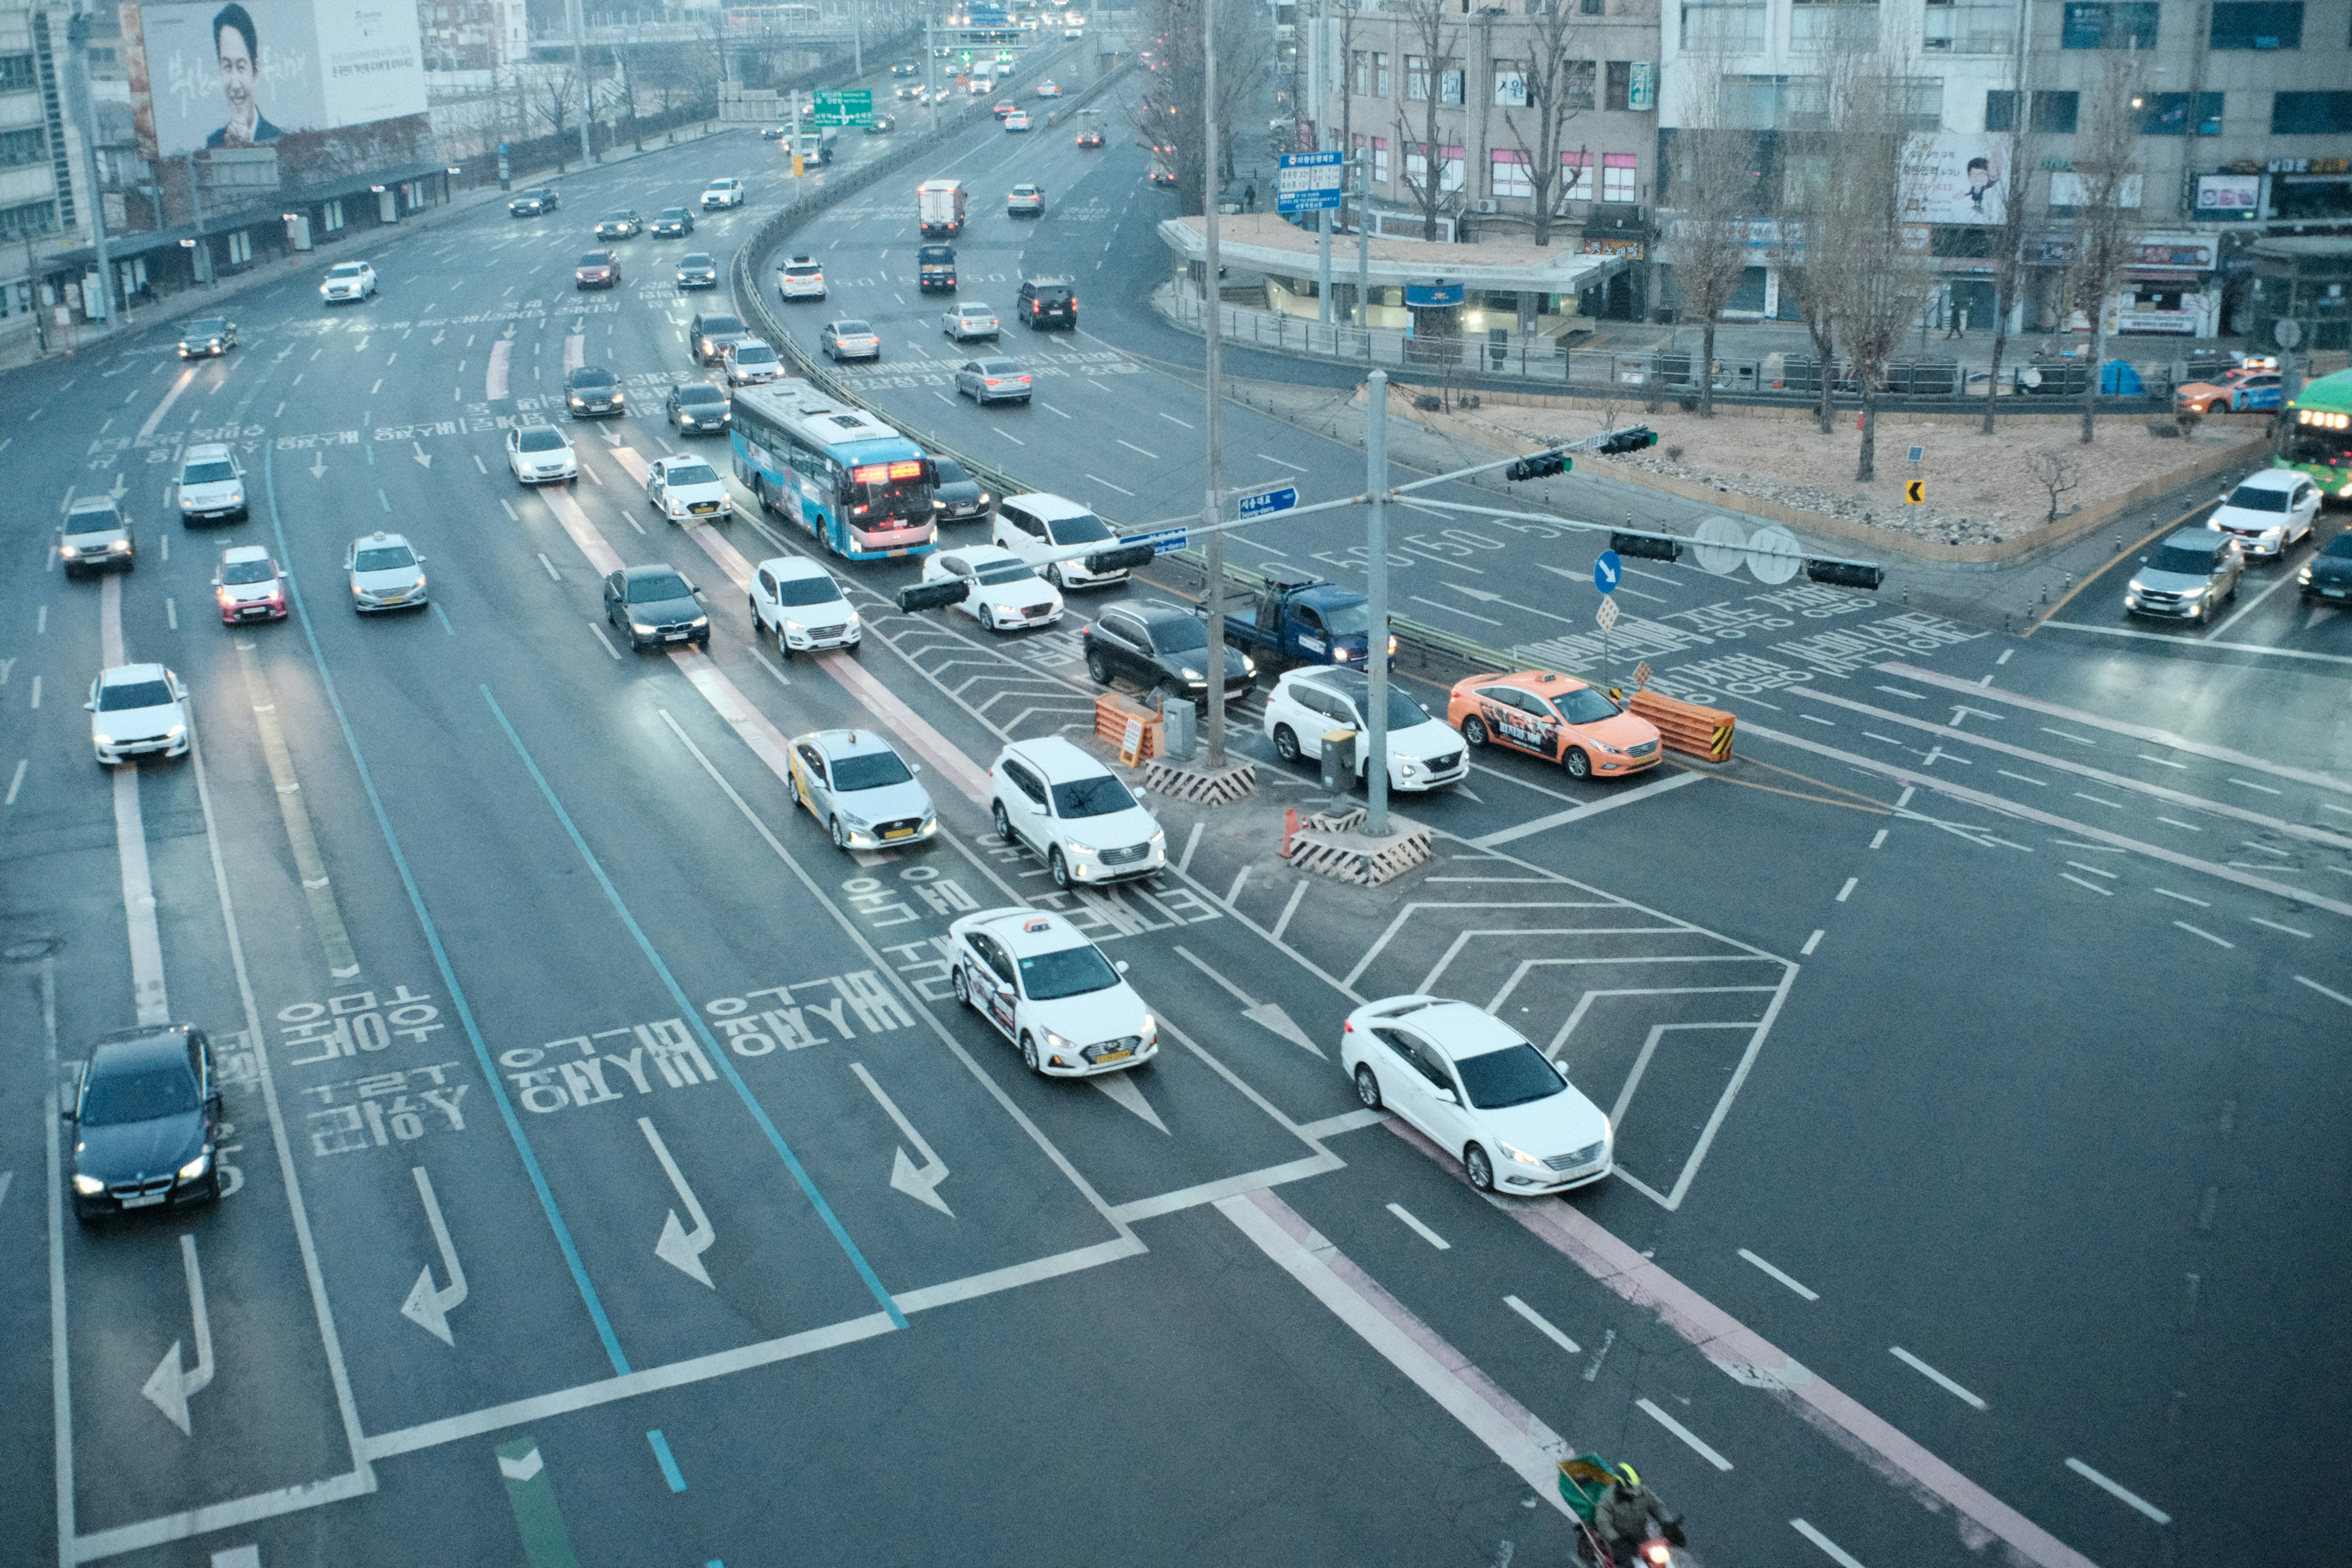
(2318, 437)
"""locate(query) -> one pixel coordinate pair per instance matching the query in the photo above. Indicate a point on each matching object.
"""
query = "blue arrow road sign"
(1166, 540)
(1607, 571)
(1267, 501)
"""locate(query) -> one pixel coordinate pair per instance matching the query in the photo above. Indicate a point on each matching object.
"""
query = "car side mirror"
(1559, 1066)
(1121, 966)
(914, 767)
(2143, 560)
(1444, 1097)
(216, 581)
(698, 592)
(66, 1111)
(90, 707)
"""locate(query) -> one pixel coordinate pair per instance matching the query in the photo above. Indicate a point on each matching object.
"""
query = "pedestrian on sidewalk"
(1249, 197)
(1959, 324)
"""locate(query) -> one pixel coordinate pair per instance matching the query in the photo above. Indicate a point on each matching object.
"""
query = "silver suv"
(96, 537)
(2189, 577)
(212, 485)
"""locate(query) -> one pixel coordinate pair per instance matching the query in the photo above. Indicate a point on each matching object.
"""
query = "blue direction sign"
(1164, 542)
(1266, 503)
(1309, 181)
(1607, 572)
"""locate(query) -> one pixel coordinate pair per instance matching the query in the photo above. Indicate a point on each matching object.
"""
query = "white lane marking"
(598, 627)
(1812, 943)
(1696, 1446)
(171, 613)
(2323, 991)
(2208, 935)
(553, 575)
(2161, 762)
(1050, 409)
(1173, 420)
(2119, 1491)
(2094, 870)
(1825, 723)
(1108, 485)
(1831, 1548)
(169, 1386)
(1932, 1375)
(2167, 892)
(2176, 822)
(2078, 740)
(1278, 463)
(2230, 646)
(2248, 783)
(1621, 797)
(147, 428)
(237, 1557)
(1184, 864)
(2281, 581)
(2263, 848)
(1907, 695)
(1846, 891)
(1783, 1279)
(1133, 448)
(1531, 1448)
(1541, 1326)
(2275, 926)
(1878, 839)
(1290, 909)
(1420, 1229)
(1008, 435)
(2037, 783)
(17, 782)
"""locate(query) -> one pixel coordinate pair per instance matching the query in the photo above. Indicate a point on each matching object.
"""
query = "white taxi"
(688, 490)
(1050, 992)
(861, 790)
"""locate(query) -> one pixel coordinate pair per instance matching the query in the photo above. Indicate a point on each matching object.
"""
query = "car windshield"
(594, 258)
(870, 770)
(691, 474)
(1173, 636)
(1084, 529)
(207, 474)
(802, 269)
(617, 217)
(2172, 558)
(591, 378)
(2254, 498)
(1072, 972)
(1099, 796)
(851, 329)
(540, 440)
(1584, 706)
(113, 1099)
(1345, 620)
(700, 392)
(950, 471)
(656, 587)
(1518, 1075)
(207, 329)
(712, 326)
(817, 590)
(384, 558)
(348, 269)
(125, 695)
(754, 354)
(672, 213)
(2341, 547)
(97, 521)
(247, 572)
(696, 258)
(1003, 572)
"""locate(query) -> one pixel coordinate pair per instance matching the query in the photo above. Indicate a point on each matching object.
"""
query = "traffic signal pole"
(1376, 596)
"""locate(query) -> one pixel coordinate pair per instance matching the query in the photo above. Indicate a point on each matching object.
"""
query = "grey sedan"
(993, 381)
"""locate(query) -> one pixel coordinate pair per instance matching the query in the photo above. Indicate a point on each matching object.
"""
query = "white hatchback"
(136, 711)
(2270, 510)
(1002, 592)
(1074, 814)
(1480, 1092)
(751, 362)
(1424, 752)
(796, 601)
(688, 490)
(1043, 986)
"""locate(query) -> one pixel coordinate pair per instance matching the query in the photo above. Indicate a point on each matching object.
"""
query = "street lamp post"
(1214, 365)
(1376, 596)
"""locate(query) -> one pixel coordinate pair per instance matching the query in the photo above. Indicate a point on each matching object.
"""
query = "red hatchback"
(598, 269)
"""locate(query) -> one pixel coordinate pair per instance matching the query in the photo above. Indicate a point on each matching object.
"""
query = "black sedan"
(709, 337)
(624, 224)
(1162, 649)
(698, 270)
(697, 408)
(881, 125)
(535, 203)
(205, 338)
(591, 392)
(958, 497)
(673, 223)
(145, 1122)
(656, 608)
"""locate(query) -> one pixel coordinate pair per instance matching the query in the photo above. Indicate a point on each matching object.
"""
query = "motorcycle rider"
(1622, 1518)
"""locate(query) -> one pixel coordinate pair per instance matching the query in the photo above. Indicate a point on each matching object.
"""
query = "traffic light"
(1540, 465)
(1648, 546)
(1846, 574)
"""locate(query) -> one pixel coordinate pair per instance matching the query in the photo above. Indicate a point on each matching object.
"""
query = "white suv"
(723, 194)
(1032, 525)
(1305, 705)
(801, 277)
(212, 485)
(1068, 809)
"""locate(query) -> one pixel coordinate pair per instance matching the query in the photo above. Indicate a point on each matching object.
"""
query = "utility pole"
(1364, 243)
(931, 71)
(1215, 366)
(577, 9)
(1317, 90)
(857, 40)
(1376, 596)
(78, 36)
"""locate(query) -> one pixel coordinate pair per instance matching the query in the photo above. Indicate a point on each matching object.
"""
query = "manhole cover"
(25, 951)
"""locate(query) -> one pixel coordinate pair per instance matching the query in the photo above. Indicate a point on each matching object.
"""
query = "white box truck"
(941, 205)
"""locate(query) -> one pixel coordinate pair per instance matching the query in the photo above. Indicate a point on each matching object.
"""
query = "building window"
(240, 248)
(28, 146)
(1360, 72)
(1381, 159)
(1511, 84)
(2053, 112)
(1449, 167)
(1774, 102)
(1369, 75)
(18, 74)
(1449, 81)
(1723, 26)
(2257, 25)
(2310, 113)
(2180, 114)
(2108, 24)
(1817, 24)
(1576, 83)
(1593, 8)
(1576, 176)
(1619, 172)
(1918, 102)
(1617, 90)
(1416, 78)
(1970, 26)
(31, 217)
(1508, 175)
(331, 217)
(1380, 73)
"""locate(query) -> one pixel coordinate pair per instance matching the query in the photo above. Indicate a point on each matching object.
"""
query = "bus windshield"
(893, 488)
(2316, 447)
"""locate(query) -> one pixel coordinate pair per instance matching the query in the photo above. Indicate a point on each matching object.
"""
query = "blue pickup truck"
(1301, 620)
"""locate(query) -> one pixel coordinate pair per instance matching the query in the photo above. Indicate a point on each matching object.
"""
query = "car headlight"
(2196, 593)
(1342, 654)
(196, 1167)
(1160, 839)
(641, 629)
(2303, 575)
(1189, 673)
(1612, 750)
(852, 623)
(1519, 1156)
(576, 401)
(88, 1186)
(1074, 847)
(120, 545)
(700, 622)
(176, 732)
(987, 499)
(1249, 665)
(69, 551)
(1055, 1042)
(101, 739)
(793, 626)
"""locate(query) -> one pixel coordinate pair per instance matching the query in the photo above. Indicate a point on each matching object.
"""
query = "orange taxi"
(1555, 717)
(2252, 384)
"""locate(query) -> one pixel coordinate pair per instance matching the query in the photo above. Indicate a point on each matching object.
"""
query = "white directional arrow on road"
(319, 464)
(120, 485)
(438, 336)
(422, 455)
(170, 1386)
(679, 1247)
(1122, 1088)
(1264, 1015)
(426, 1307)
(920, 1182)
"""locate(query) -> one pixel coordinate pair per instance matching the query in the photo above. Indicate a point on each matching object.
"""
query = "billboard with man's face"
(1956, 177)
(227, 74)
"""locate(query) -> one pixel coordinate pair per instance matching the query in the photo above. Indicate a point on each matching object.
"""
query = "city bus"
(2317, 434)
(853, 482)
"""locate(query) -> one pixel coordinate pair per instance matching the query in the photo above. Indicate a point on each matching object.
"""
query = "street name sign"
(1265, 503)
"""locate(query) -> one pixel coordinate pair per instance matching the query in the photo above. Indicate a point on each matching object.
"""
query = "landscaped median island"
(1987, 497)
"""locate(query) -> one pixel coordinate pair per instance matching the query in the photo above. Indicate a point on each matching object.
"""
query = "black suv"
(1049, 302)
(145, 1122)
(707, 337)
(1161, 647)
(535, 203)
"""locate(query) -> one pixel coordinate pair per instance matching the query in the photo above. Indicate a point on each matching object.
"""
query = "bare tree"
(2106, 208)
(1426, 26)
(2006, 237)
(1556, 91)
(552, 95)
(1167, 112)
(1808, 259)
(2057, 473)
(1713, 196)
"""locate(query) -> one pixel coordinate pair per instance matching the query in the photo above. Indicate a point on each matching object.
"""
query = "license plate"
(704, 506)
(2332, 592)
(1112, 1057)
(899, 833)
(147, 1201)
(673, 636)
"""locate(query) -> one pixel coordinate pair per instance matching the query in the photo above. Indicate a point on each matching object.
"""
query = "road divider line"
(2116, 1489)
(1783, 1279)
(934, 747)
(309, 866)
(1830, 1549)
(162, 1530)
(1420, 1229)
(1543, 1325)
(1531, 1449)
(2226, 647)
(2323, 991)
(1696, 1445)
(1938, 1378)
(1578, 813)
(662, 1457)
(147, 427)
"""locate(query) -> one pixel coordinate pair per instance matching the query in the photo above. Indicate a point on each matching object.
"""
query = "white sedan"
(861, 790)
(686, 489)
(135, 711)
(1050, 992)
(1480, 1092)
(539, 453)
(348, 280)
(1002, 592)
(970, 320)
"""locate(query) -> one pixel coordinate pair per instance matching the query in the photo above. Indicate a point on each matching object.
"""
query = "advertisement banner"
(1956, 177)
(252, 73)
(2232, 196)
